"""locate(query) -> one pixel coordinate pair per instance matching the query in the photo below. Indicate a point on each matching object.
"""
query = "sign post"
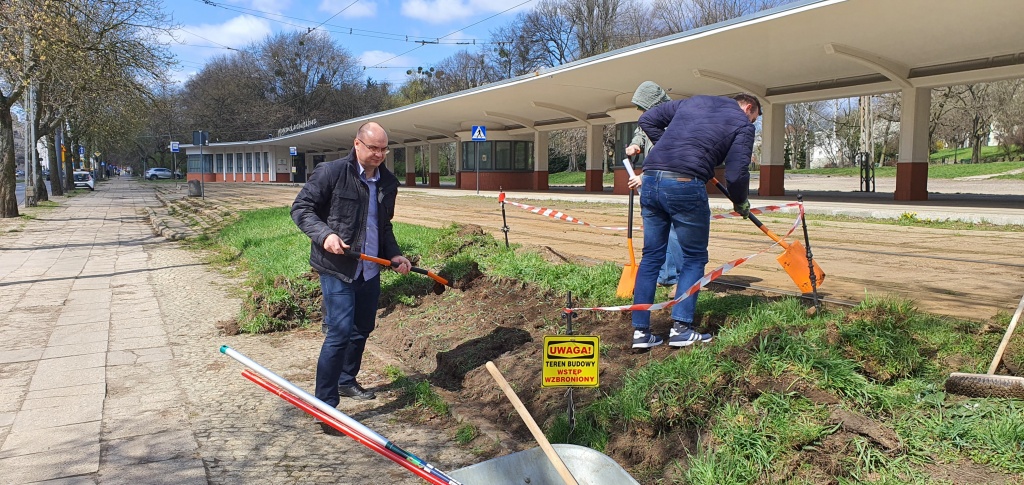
(201, 138)
(479, 134)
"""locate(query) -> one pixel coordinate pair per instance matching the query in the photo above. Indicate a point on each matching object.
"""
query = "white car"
(158, 173)
(84, 180)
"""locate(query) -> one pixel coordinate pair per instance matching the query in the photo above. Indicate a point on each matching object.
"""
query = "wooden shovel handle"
(1006, 338)
(556, 461)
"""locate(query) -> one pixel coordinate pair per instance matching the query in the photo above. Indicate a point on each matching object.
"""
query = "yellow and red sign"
(571, 361)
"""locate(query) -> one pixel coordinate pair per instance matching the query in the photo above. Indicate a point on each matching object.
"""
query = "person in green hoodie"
(648, 95)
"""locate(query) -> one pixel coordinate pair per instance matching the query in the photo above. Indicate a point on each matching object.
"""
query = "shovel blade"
(626, 281)
(794, 261)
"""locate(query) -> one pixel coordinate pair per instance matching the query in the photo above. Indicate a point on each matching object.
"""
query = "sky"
(381, 34)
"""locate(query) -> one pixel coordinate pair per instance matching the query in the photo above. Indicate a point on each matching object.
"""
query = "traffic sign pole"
(478, 134)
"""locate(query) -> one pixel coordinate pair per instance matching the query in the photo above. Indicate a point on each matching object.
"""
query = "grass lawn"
(576, 178)
(934, 171)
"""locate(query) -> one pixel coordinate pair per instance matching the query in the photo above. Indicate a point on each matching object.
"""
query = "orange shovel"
(793, 258)
(628, 278)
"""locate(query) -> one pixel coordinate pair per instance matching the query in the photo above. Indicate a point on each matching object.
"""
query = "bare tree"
(461, 71)
(594, 22)
(553, 33)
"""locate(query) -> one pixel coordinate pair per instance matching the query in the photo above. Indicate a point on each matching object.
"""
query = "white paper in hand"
(629, 167)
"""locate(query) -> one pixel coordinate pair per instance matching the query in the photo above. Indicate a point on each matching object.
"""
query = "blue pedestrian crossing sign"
(479, 133)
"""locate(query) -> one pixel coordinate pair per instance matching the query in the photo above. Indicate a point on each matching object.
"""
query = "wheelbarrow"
(587, 466)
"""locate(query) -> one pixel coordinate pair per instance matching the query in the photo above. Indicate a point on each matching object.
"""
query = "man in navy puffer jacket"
(691, 137)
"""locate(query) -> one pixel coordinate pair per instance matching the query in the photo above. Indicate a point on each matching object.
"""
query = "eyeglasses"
(377, 150)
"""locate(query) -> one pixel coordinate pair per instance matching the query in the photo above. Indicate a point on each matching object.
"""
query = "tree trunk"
(41, 193)
(56, 181)
(8, 197)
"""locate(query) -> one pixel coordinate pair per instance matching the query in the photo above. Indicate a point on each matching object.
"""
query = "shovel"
(439, 282)
(793, 258)
(628, 278)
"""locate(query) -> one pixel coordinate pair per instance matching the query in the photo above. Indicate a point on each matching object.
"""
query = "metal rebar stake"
(504, 221)
(810, 257)
(571, 409)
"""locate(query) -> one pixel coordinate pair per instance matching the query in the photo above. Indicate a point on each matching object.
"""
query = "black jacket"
(335, 201)
(693, 136)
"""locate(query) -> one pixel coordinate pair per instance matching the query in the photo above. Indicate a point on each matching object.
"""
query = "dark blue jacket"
(692, 136)
(335, 201)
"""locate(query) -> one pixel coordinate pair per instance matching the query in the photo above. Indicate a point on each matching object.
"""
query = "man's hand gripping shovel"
(794, 257)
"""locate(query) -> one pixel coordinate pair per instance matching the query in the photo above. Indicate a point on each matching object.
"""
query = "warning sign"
(570, 361)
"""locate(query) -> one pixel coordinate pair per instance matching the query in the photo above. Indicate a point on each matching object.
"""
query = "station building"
(805, 51)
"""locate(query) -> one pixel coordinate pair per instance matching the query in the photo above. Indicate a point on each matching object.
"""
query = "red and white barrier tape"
(559, 215)
(708, 278)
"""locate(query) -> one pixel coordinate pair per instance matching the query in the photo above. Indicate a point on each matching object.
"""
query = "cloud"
(236, 32)
(443, 11)
(361, 9)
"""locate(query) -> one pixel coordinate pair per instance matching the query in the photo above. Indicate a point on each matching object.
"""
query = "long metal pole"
(333, 412)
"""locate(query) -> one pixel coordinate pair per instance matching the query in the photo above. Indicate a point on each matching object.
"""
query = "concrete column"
(410, 166)
(435, 171)
(912, 167)
(540, 160)
(595, 159)
(458, 163)
(773, 156)
(389, 160)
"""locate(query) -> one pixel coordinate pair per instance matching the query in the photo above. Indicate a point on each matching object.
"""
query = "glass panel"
(248, 163)
(231, 163)
(220, 162)
(193, 163)
(266, 162)
(469, 155)
(503, 155)
(523, 159)
(485, 155)
(623, 136)
(238, 156)
(207, 163)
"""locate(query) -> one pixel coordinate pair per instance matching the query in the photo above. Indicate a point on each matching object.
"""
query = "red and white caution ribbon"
(559, 215)
(708, 278)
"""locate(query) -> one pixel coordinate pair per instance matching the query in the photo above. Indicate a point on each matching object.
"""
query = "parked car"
(84, 180)
(161, 173)
(19, 173)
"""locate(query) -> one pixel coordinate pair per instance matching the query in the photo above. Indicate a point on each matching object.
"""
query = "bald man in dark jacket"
(691, 137)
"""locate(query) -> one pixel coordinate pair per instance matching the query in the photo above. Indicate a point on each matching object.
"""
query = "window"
(220, 162)
(248, 163)
(623, 138)
(238, 159)
(266, 162)
(498, 155)
(503, 155)
(194, 166)
(231, 163)
(523, 156)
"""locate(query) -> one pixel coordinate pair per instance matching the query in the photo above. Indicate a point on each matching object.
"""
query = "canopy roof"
(804, 51)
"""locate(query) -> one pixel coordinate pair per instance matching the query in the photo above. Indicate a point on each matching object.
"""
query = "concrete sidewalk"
(88, 389)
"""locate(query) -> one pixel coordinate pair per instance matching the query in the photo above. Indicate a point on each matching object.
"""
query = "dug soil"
(446, 339)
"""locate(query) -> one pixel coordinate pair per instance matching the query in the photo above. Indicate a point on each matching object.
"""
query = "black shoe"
(355, 391)
(328, 430)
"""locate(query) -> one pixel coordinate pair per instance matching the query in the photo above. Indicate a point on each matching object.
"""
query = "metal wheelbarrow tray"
(589, 467)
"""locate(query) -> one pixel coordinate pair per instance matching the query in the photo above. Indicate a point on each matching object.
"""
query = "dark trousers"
(350, 313)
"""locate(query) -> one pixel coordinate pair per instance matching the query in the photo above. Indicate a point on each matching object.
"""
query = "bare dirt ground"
(969, 274)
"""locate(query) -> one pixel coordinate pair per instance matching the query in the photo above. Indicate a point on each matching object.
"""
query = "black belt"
(680, 177)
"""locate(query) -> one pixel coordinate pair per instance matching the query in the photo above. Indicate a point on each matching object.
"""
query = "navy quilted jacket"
(692, 136)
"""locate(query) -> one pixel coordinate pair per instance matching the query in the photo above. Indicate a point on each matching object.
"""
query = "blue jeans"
(667, 205)
(669, 271)
(350, 313)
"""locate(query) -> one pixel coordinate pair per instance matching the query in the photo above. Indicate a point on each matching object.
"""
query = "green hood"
(649, 95)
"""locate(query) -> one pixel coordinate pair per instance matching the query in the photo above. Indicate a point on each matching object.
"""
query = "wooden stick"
(556, 461)
(1006, 338)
